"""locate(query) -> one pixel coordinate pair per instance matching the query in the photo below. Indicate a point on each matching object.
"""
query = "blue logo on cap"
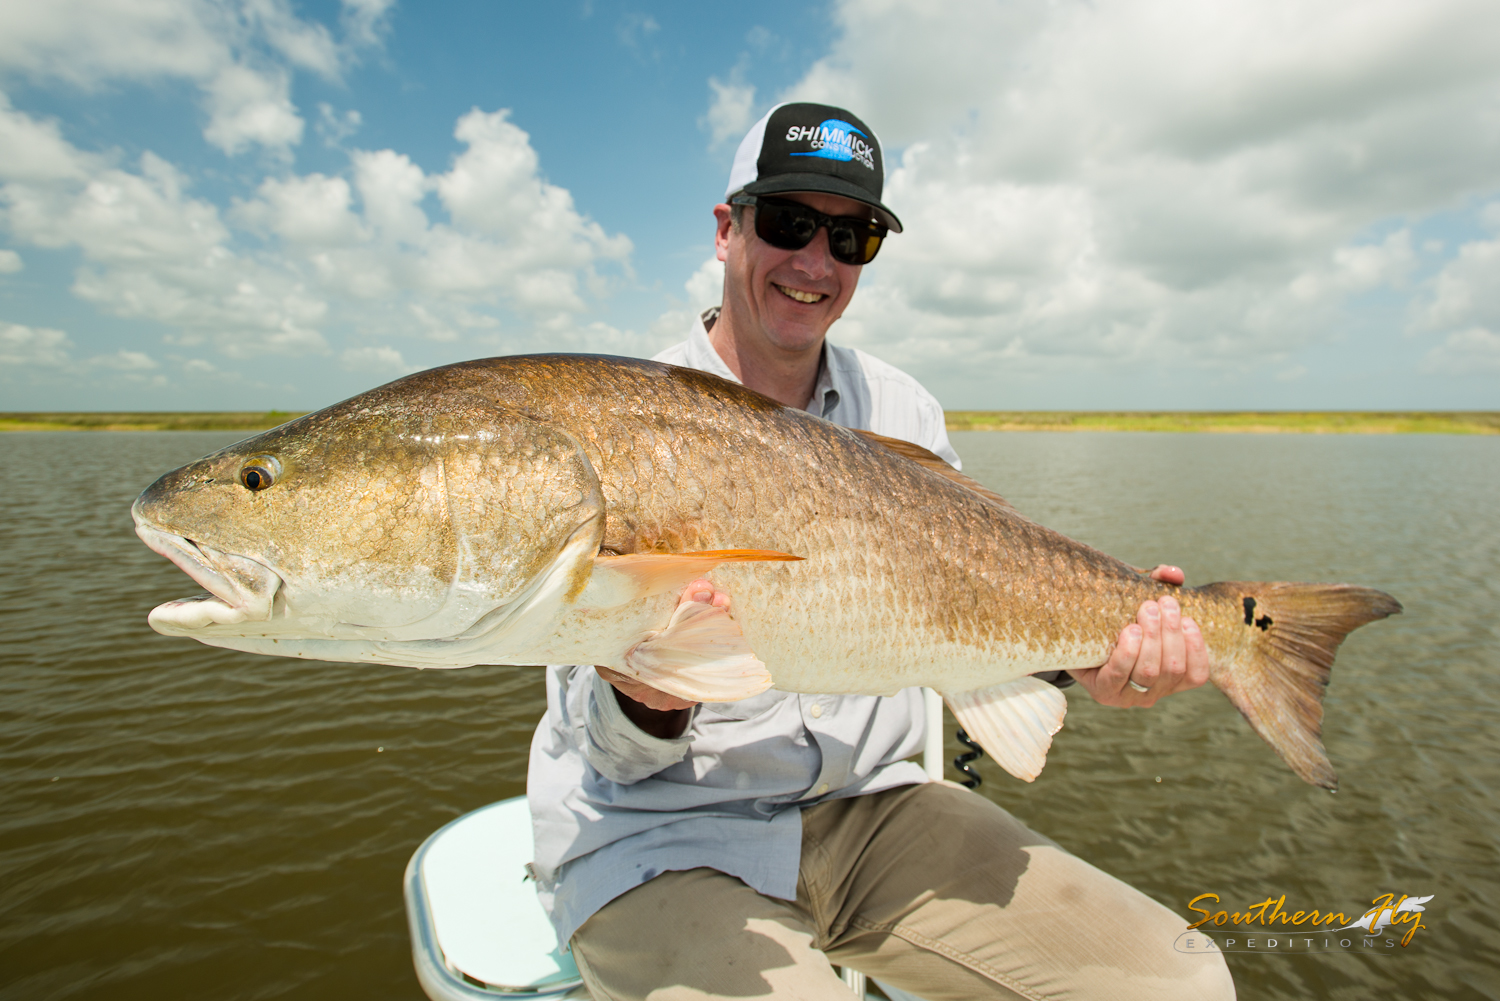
(834, 140)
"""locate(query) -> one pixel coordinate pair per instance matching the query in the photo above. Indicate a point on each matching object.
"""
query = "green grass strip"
(231, 421)
(1250, 422)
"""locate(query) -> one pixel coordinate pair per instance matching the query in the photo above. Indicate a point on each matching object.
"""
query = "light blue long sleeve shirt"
(613, 806)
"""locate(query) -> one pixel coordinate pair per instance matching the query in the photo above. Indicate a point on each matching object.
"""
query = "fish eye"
(260, 472)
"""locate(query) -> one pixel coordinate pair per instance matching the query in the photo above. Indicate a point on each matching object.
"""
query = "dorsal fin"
(934, 462)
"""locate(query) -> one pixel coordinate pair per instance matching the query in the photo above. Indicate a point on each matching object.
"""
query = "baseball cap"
(812, 147)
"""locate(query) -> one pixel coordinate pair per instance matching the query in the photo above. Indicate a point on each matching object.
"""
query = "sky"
(1115, 204)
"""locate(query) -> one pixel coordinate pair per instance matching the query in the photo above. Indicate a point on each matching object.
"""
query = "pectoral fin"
(618, 579)
(701, 655)
(1013, 722)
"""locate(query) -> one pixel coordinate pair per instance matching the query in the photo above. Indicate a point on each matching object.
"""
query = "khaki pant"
(930, 888)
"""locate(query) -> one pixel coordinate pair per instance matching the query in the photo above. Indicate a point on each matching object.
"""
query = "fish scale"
(528, 510)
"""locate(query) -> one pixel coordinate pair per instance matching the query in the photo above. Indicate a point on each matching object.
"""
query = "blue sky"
(246, 204)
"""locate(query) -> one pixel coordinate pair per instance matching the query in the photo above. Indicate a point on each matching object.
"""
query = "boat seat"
(477, 928)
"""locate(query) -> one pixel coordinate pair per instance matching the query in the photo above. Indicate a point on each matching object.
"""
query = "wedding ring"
(1139, 688)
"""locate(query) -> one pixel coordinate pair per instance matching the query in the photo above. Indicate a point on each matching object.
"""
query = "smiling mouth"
(800, 295)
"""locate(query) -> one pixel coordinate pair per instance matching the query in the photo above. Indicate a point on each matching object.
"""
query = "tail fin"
(1277, 677)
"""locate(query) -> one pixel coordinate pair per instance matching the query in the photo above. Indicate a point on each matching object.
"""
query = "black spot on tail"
(1278, 681)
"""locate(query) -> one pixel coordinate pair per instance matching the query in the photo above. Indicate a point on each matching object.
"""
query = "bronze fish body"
(545, 509)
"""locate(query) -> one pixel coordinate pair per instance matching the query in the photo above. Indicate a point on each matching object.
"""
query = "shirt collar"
(700, 350)
(825, 395)
(702, 356)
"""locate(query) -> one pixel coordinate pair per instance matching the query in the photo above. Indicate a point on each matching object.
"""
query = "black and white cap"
(812, 147)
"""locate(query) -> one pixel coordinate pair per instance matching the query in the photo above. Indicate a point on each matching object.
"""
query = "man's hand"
(1162, 652)
(643, 694)
(654, 711)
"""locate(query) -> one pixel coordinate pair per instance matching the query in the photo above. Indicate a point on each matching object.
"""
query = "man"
(739, 849)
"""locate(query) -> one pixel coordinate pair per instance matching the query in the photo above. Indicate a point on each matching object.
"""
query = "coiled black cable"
(972, 778)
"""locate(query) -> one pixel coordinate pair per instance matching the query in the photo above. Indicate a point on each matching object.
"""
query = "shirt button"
(822, 788)
(816, 711)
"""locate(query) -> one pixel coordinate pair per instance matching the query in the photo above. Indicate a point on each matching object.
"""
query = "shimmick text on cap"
(812, 147)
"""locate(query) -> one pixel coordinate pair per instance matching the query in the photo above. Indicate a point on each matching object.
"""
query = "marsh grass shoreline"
(141, 421)
(1226, 422)
(1231, 422)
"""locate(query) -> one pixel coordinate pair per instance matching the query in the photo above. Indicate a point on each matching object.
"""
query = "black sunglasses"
(792, 226)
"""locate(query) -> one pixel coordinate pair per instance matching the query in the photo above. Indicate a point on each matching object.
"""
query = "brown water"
(181, 821)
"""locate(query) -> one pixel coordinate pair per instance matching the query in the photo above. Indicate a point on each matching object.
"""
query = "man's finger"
(1173, 647)
(1108, 684)
(1148, 661)
(1197, 654)
(614, 677)
(701, 590)
(1168, 574)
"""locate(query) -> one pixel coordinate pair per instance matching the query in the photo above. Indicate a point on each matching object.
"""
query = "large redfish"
(544, 509)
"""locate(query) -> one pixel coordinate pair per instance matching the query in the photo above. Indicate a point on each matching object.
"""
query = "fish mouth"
(239, 588)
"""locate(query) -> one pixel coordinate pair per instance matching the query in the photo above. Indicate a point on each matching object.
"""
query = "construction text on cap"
(833, 139)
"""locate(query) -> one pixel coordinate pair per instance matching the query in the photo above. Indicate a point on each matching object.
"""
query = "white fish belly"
(827, 638)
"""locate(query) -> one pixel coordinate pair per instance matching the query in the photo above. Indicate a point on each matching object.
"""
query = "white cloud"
(302, 43)
(10, 262)
(762, 39)
(729, 108)
(33, 151)
(511, 238)
(1120, 182)
(1358, 268)
(495, 190)
(312, 211)
(125, 361)
(1465, 292)
(365, 21)
(33, 346)
(636, 31)
(1475, 351)
(335, 127)
(248, 107)
(706, 287)
(1462, 305)
(239, 53)
(335, 251)
(150, 250)
(434, 327)
(43, 356)
(379, 361)
(85, 43)
(115, 216)
(128, 366)
(392, 189)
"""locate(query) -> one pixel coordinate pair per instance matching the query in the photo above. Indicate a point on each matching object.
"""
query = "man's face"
(791, 297)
